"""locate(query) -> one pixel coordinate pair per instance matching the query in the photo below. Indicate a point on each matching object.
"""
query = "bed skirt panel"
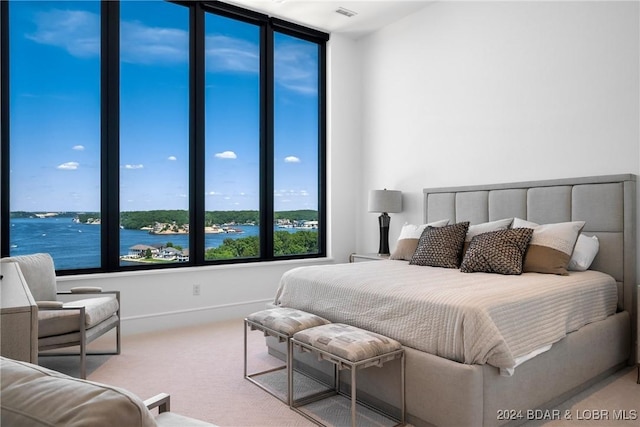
(570, 366)
(444, 393)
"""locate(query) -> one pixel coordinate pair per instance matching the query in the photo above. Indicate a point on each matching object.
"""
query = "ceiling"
(371, 15)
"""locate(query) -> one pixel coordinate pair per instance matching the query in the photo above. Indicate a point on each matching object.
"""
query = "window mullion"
(5, 210)
(266, 146)
(197, 135)
(110, 135)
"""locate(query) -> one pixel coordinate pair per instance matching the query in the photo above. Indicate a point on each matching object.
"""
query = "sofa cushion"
(36, 396)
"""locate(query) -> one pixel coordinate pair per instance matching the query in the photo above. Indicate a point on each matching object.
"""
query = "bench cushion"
(348, 342)
(286, 321)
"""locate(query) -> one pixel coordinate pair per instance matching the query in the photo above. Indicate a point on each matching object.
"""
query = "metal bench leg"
(290, 372)
(353, 396)
(246, 326)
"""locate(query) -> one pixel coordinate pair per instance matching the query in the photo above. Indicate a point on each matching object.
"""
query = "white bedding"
(473, 318)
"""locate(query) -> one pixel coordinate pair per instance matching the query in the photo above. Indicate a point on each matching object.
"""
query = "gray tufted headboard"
(606, 203)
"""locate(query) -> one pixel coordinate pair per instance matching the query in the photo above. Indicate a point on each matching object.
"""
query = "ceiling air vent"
(346, 12)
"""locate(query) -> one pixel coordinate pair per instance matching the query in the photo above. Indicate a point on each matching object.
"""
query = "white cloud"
(133, 166)
(291, 159)
(142, 44)
(292, 70)
(290, 193)
(226, 155)
(69, 166)
(76, 31)
(172, 158)
(78, 147)
(225, 53)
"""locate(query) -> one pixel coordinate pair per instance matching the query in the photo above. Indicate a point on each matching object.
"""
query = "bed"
(463, 369)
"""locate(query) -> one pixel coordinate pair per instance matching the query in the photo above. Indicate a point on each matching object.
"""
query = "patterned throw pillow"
(485, 227)
(499, 251)
(441, 246)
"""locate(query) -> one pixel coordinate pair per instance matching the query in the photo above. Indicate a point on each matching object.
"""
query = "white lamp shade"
(385, 201)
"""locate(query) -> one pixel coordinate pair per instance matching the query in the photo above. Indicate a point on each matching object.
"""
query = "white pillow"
(583, 254)
(551, 245)
(485, 227)
(408, 240)
(412, 231)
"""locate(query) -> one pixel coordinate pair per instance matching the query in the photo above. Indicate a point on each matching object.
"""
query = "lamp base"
(384, 220)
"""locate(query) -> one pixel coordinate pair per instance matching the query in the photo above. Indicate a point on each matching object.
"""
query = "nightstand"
(367, 257)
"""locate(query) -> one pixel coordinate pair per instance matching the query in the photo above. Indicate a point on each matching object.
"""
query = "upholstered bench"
(281, 323)
(347, 347)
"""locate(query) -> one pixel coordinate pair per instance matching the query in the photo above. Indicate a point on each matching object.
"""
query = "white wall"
(458, 93)
(465, 93)
(164, 299)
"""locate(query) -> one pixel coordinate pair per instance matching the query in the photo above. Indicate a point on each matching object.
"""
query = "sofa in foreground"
(37, 396)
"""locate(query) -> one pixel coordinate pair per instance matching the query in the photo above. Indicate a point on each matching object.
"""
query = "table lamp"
(385, 201)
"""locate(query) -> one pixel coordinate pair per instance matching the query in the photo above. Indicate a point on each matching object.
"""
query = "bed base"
(445, 393)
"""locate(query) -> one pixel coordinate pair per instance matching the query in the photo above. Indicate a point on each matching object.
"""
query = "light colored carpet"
(202, 369)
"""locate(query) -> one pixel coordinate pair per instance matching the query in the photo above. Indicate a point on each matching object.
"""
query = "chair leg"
(83, 363)
(83, 346)
(118, 341)
(119, 323)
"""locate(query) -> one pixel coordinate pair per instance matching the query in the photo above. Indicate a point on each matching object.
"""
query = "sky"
(55, 110)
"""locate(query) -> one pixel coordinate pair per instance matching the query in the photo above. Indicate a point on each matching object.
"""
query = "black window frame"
(110, 133)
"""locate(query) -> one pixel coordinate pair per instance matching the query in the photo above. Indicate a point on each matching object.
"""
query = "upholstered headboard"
(606, 203)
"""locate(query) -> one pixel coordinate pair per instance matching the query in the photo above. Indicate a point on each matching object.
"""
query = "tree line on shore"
(284, 243)
(135, 220)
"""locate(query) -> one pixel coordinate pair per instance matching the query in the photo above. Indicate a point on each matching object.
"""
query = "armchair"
(66, 324)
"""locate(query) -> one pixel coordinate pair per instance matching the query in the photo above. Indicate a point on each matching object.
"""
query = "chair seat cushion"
(348, 342)
(36, 396)
(286, 321)
(58, 322)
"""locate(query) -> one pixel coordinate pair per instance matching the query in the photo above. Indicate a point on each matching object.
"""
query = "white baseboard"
(195, 316)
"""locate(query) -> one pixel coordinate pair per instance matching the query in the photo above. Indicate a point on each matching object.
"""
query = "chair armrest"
(86, 290)
(49, 305)
(160, 401)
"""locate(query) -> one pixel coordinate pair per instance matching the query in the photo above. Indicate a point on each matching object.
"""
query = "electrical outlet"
(196, 290)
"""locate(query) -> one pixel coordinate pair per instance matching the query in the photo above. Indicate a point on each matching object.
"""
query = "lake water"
(75, 245)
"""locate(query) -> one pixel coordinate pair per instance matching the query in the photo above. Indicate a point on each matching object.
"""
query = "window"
(296, 147)
(232, 138)
(158, 134)
(154, 133)
(55, 132)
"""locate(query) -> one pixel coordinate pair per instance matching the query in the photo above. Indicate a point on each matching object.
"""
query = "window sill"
(218, 267)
